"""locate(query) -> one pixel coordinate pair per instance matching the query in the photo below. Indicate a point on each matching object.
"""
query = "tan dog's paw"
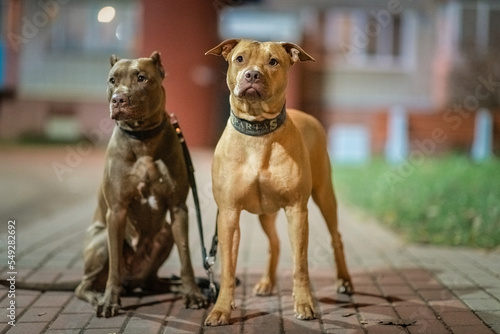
(218, 318)
(304, 305)
(194, 299)
(305, 311)
(344, 286)
(263, 288)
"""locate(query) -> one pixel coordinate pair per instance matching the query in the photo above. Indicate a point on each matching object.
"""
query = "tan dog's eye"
(239, 59)
(111, 81)
(273, 62)
(141, 78)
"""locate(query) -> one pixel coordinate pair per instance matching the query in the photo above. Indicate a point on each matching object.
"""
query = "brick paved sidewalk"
(423, 289)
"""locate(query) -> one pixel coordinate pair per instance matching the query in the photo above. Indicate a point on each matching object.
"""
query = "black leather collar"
(145, 134)
(258, 128)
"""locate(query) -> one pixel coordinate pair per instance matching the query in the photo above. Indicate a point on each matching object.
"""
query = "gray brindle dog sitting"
(141, 208)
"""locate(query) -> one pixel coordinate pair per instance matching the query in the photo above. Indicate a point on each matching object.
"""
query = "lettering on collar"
(258, 128)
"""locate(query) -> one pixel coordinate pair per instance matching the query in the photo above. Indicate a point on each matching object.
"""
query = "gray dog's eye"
(141, 78)
(111, 81)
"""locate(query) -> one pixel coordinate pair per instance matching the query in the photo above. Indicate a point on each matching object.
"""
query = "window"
(81, 27)
(478, 27)
(365, 38)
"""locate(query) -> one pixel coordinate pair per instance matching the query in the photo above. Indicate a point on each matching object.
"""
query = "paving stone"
(384, 329)
(40, 314)
(377, 313)
(468, 330)
(483, 304)
(397, 291)
(71, 321)
(142, 324)
(53, 299)
(442, 288)
(262, 314)
(427, 326)
(437, 294)
(414, 312)
(460, 318)
(336, 321)
(4, 327)
(28, 327)
(183, 320)
(78, 306)
(492, 318)
(232, 329)
(4, 313)
(114, 322)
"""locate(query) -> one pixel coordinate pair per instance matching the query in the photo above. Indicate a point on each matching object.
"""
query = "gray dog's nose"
(119, 100)
(252, 76)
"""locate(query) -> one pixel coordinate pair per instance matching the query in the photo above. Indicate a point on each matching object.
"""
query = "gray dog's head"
(135, 88)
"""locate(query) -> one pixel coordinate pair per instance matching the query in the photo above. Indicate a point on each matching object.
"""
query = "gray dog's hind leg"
(95, 264)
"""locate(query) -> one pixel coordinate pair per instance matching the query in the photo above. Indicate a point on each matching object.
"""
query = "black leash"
(208, 261)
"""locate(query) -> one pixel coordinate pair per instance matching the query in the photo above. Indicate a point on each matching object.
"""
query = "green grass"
(443, 201)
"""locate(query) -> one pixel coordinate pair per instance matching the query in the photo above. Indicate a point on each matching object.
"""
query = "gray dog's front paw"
(109, 305)
(194, 299)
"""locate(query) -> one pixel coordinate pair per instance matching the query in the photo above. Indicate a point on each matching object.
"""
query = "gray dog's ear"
(296, 53)
(113, 59)
(224, 48)
(156, 58)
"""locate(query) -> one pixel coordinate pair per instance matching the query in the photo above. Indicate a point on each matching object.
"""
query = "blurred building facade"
(55, 63)
(436, 60)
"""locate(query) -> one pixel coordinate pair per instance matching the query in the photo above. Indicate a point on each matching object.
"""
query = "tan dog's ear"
(296, 53)
(113, 60)
(224, 48)
(156, 58)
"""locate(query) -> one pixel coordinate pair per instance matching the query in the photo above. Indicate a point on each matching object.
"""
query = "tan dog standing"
(141, 208)
(270, 158)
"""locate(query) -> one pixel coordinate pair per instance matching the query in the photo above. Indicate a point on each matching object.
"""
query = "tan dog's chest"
(269, 172)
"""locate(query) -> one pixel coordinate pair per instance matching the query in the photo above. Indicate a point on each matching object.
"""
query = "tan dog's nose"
(252, 76)
(119, 100)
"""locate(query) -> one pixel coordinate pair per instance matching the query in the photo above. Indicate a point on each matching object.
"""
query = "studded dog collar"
(258, 128)
(145, 134)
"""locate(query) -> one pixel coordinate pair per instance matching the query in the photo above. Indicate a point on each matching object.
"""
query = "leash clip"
(212, 288)
(209, 262)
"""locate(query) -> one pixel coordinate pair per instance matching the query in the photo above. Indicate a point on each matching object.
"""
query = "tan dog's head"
(135, 88)
(258, 73)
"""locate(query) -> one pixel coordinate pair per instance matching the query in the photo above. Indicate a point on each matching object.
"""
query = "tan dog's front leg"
(268, 280)
(193, 298)
(109, 305)
(298, 231)
(228, 227)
